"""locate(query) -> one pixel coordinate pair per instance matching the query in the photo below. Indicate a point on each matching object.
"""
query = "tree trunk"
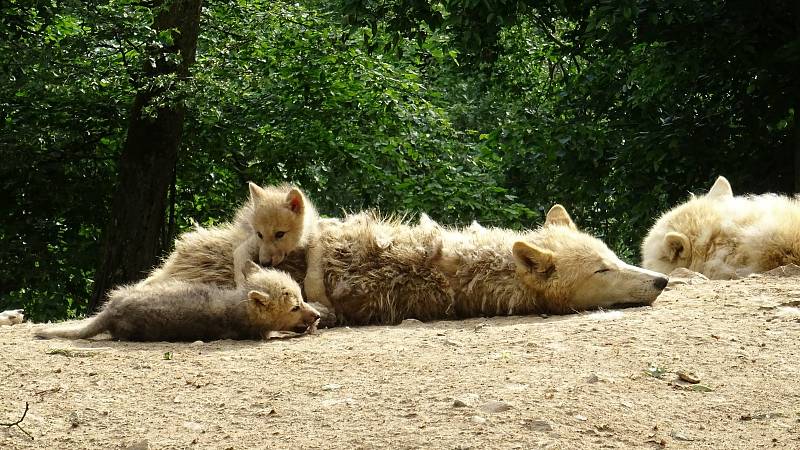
(148, 158)
(796, 135)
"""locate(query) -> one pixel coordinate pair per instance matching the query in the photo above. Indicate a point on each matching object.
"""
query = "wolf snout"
(660, 283)
(311, 318)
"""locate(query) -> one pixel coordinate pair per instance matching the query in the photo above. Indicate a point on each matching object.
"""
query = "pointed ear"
(295, 202)
(532, 258)
(259, 297)
(250, 268)
(255, 191)
(721, 189)
(677, 244)
(558, 216)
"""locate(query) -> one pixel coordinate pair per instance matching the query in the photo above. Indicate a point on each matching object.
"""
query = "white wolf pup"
(724, 236)
(267, 300)
(272, 228)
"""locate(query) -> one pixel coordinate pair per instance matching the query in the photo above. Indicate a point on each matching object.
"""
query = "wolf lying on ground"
(272, 228)
(554, 269)
(267, 300)
(723, 236)
(12, 317)
(372, 270)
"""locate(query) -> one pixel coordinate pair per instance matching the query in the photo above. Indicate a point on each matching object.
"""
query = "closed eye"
(602, 270)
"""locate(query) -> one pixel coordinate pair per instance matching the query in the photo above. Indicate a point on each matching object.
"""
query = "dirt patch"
(602, 380)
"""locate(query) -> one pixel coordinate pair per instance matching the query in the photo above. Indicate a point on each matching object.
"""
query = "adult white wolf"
(724, 236)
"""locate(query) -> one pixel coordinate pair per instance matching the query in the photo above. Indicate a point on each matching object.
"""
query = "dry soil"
(600, 380)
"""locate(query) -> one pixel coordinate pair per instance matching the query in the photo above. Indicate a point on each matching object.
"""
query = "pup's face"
(276, 301)
(575, 271)
(283, 310)
(277, 223)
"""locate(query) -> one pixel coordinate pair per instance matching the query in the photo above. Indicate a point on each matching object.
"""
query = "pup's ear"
(558, 216)
(295, 202)
(532, 258)
(259, 297)
(678, 245)
(250, 268)
(721, 188)
(255, 191)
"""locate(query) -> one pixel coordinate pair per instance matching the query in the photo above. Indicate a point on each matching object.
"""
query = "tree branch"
(16, 424)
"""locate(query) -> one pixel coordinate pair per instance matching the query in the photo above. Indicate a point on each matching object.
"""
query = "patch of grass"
(656, 372)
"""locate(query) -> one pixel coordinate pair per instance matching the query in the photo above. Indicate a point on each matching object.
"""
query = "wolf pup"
(267, 300)
(272, 228)
(724, 236)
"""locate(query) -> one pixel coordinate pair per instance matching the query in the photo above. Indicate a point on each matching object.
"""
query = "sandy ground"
(601, 380)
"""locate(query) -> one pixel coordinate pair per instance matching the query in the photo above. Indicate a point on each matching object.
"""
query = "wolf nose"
(660, 283)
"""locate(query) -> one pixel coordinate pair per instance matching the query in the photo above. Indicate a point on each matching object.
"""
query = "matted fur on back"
(380, 270)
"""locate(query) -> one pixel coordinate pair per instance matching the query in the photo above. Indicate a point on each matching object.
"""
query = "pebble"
(478, 419)
(494, 406)
(193, 426)
(790, 270)
(74, 420)
(458, 403)
(141, 445)
(331, 387)
(677, 435)
(538, 425)
(688, 377)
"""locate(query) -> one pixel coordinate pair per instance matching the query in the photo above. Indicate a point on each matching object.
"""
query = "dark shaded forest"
(123, 121)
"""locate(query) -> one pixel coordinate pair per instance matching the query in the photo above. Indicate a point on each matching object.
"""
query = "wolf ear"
(255, 190)
(250, 268)
(721, 188)
(678, 245)
(558, 216)
(426, 221)
(295, 202)
(259, 297)
(532, 258)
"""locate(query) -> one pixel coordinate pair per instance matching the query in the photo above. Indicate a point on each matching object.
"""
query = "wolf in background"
(724, 236)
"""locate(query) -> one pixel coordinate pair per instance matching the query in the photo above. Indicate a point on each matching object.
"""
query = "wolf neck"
(238, 314)
(486, 283)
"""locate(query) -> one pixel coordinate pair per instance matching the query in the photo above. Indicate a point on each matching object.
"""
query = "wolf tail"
(93, 327)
